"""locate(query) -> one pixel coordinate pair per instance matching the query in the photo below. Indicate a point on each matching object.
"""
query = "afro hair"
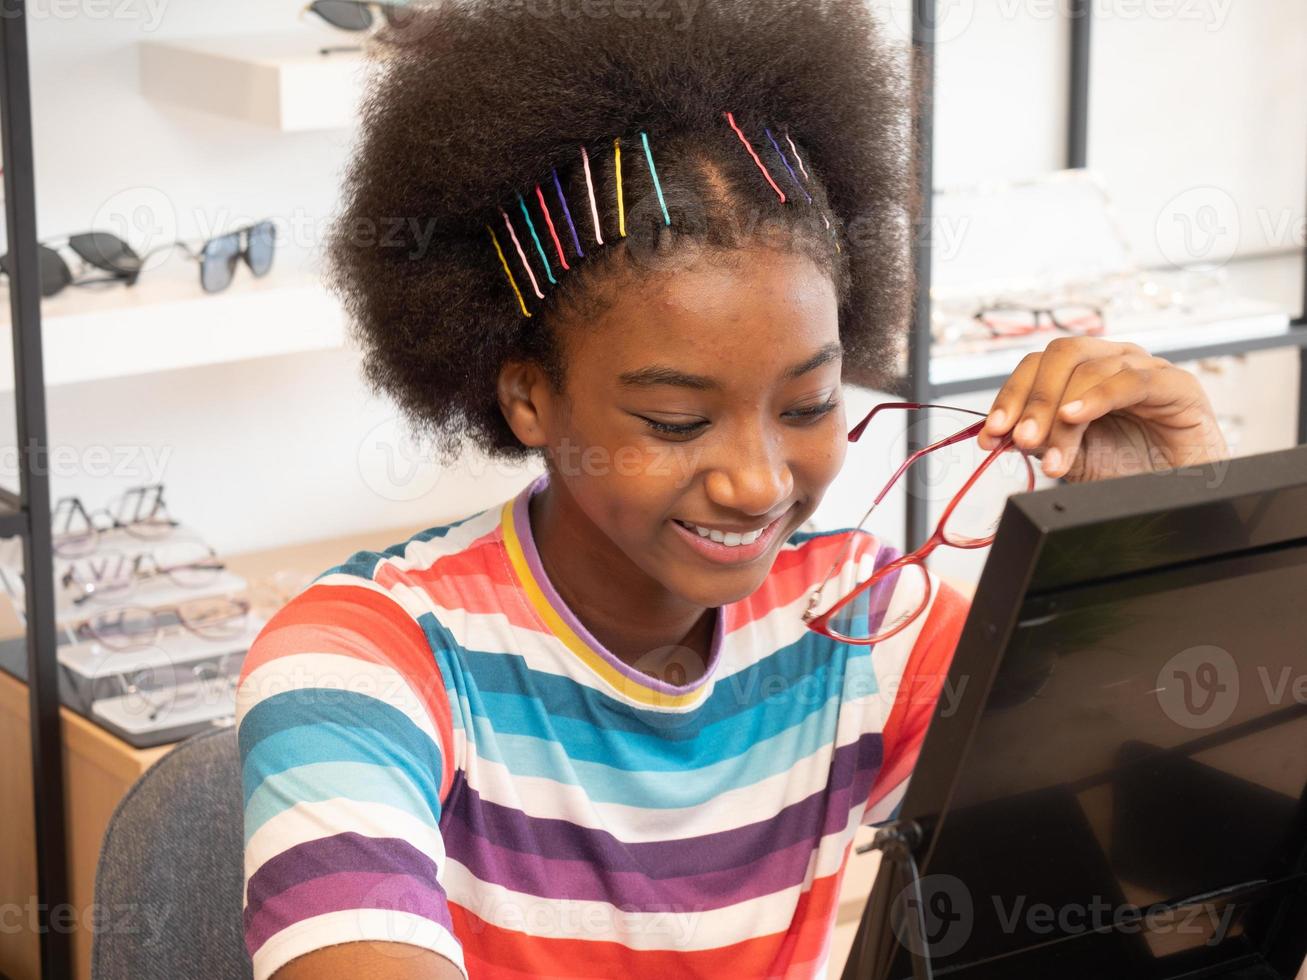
(474, 104)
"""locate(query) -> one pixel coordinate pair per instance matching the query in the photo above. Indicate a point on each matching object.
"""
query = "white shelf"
(166, 321)
(277, 80)
(1242, 319)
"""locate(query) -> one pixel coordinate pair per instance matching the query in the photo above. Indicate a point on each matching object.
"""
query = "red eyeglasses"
(874, 603)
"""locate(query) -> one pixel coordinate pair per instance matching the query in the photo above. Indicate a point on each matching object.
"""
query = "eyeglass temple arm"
(961, 436)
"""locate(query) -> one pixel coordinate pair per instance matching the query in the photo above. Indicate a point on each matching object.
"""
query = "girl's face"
(709, 399)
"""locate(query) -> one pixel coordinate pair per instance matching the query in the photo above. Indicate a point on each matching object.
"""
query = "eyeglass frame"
(1038, 312)
(70, 579)
(820, 623)
(84, 632)
(75, 506)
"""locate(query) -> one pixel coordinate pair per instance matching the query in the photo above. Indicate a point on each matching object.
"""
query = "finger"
(1009, 401)
(1047, 391)
(1126, 388)
(1068, 430)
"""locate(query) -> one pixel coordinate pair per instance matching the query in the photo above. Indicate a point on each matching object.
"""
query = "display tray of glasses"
(1020, 263)
(176, 686)
(152, 627)
(995, 335)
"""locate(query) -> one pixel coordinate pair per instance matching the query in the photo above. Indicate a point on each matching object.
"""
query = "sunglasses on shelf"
(99, 249)
(219, 256)
(358, 15)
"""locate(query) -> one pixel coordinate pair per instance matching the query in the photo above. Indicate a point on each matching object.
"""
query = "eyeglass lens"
(936, 478)
(108, 252)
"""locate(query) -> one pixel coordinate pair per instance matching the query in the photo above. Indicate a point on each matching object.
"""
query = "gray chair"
(169, 884)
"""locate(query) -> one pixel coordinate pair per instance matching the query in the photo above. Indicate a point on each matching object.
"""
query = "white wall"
(288, 449)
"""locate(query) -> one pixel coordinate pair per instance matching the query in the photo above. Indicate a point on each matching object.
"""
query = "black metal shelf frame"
(916, 385)
(27, 514)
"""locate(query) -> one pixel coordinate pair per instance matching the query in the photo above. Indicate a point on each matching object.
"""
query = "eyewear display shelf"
(99, 767)
(917, 384)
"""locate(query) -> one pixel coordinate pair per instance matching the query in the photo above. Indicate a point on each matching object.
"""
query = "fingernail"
(1070, 408)
(1052, 461)
(997, 419)
(1027, 430)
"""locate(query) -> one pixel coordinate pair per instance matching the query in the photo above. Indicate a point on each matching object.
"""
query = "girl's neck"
(634, 616)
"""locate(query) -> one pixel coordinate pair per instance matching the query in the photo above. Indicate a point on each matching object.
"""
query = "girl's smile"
(736, 546)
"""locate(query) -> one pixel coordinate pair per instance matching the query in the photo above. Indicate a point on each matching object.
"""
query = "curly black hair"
(475, 102)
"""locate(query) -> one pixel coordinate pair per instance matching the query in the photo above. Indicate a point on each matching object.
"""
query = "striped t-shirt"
(435, 751)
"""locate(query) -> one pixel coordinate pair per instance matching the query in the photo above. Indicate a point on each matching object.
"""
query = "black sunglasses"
(99, 249)
(357, 15)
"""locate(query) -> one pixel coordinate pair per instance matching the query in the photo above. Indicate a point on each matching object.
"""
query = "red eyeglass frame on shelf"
(821, 624)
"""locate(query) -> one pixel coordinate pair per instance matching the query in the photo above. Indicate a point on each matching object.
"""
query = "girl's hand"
(1093, 409)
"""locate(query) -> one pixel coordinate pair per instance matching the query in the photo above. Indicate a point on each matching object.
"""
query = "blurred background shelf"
(166, 321)
(277, 80)
(984, 370)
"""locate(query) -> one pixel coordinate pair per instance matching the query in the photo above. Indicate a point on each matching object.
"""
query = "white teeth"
(731, 539)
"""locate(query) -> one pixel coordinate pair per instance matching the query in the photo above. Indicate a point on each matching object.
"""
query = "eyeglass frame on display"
(820, 623)
(84, 631)
(116, 524)
(1038, 312)
(69, 580)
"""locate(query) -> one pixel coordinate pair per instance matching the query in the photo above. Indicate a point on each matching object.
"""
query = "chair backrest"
(170, 884)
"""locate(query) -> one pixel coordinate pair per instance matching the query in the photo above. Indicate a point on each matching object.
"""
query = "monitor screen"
(1133, 795)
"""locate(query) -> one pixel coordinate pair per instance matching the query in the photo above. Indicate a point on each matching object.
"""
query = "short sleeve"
(347, 757)
(915, 697)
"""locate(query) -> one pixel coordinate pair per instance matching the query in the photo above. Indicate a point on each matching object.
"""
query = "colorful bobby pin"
(553, 233)
(530, 226)
(522, 255)
(567, 213)
(590, 186)
(793, 176)
(508, 272)
(617, 167)
(653, 173)
(756, 159)
(557, 239)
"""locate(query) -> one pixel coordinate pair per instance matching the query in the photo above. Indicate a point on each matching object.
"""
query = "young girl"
(586, 731)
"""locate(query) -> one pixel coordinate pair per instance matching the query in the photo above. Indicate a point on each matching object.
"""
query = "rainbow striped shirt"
(436, 752)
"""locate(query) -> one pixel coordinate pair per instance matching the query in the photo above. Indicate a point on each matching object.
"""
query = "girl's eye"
(683, 429)
(814, 411)
(689, 428)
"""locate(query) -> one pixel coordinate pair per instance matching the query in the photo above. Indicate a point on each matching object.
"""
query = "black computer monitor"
(1116, 786)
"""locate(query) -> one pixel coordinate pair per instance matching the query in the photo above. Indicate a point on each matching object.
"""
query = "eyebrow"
(658, 374)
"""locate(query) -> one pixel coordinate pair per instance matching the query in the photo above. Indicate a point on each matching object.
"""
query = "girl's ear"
(523, 397)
